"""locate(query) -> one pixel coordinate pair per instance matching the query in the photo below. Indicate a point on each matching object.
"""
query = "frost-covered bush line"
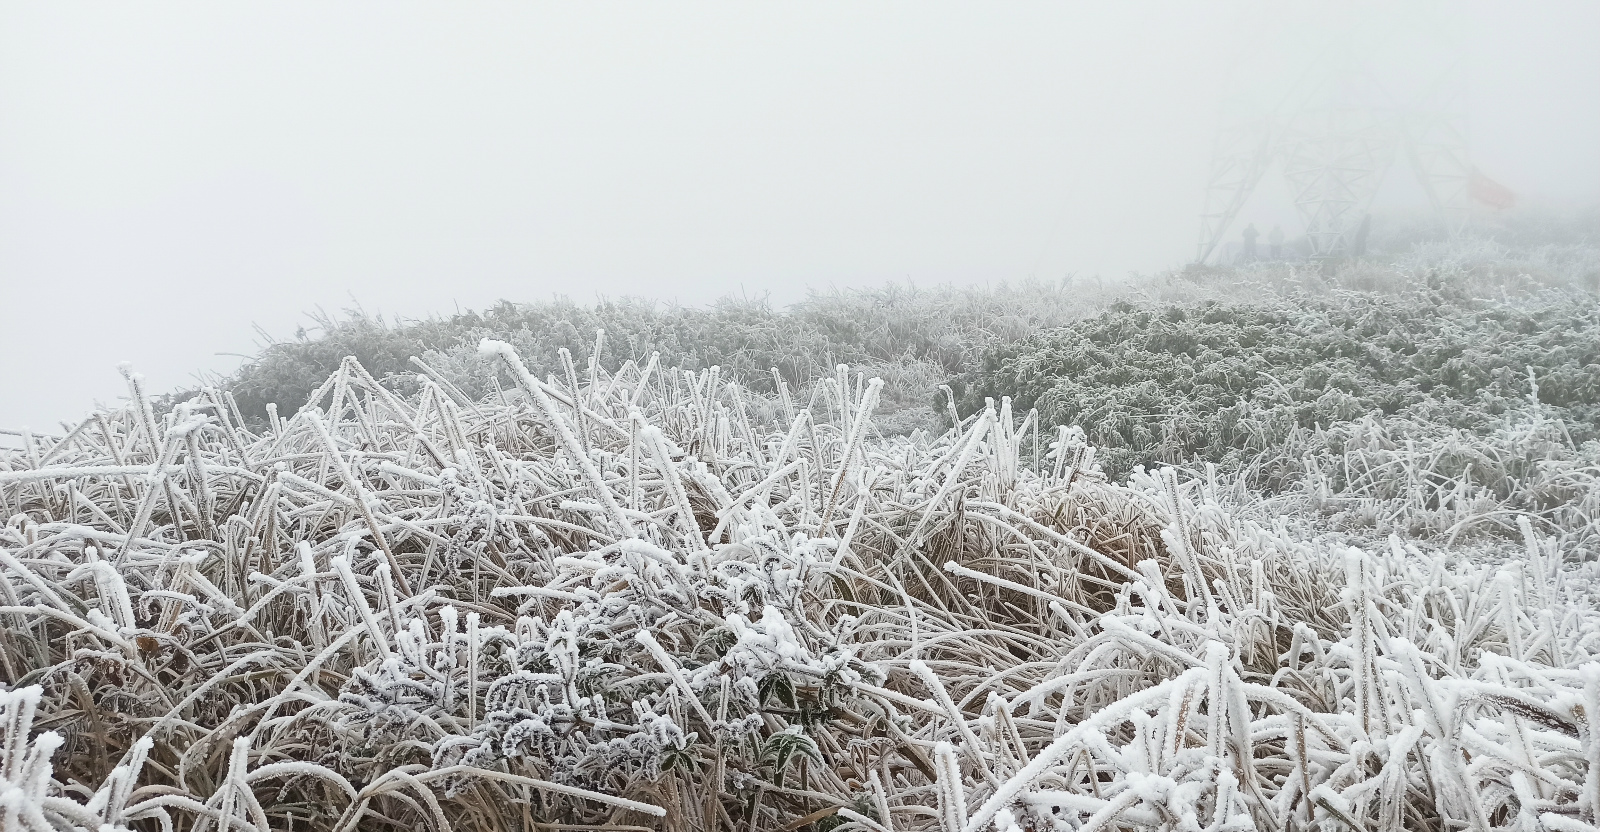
(1226, 383)
(657, 599)
(1523, 236)
(911, 338)
(1443, 399)
(915, 339)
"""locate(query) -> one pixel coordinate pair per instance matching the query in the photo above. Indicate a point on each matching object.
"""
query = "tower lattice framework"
(1334, 133)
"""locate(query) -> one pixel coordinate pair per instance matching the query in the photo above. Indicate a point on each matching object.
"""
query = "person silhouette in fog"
(1248, 253)
(1275, 242)
(1358, 247)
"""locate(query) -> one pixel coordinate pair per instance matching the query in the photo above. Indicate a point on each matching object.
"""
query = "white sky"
(171, 174)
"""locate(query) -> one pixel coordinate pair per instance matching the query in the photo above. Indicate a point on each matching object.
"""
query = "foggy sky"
(172, 174)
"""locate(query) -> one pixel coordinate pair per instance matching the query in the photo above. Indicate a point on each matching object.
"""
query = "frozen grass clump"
(657, 599)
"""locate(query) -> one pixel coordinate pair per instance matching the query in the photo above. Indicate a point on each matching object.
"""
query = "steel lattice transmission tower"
(1334, 131)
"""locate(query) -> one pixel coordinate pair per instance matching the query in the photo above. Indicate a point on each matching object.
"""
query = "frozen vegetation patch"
(1428, 411)
(915, 339)
(1231, 383)
(657, 598)
(912, 338)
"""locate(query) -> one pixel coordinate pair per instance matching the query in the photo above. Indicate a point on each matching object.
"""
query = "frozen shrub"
(1425, 412)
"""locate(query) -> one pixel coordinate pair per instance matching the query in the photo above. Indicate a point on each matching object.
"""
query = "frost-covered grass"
(659, 599)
